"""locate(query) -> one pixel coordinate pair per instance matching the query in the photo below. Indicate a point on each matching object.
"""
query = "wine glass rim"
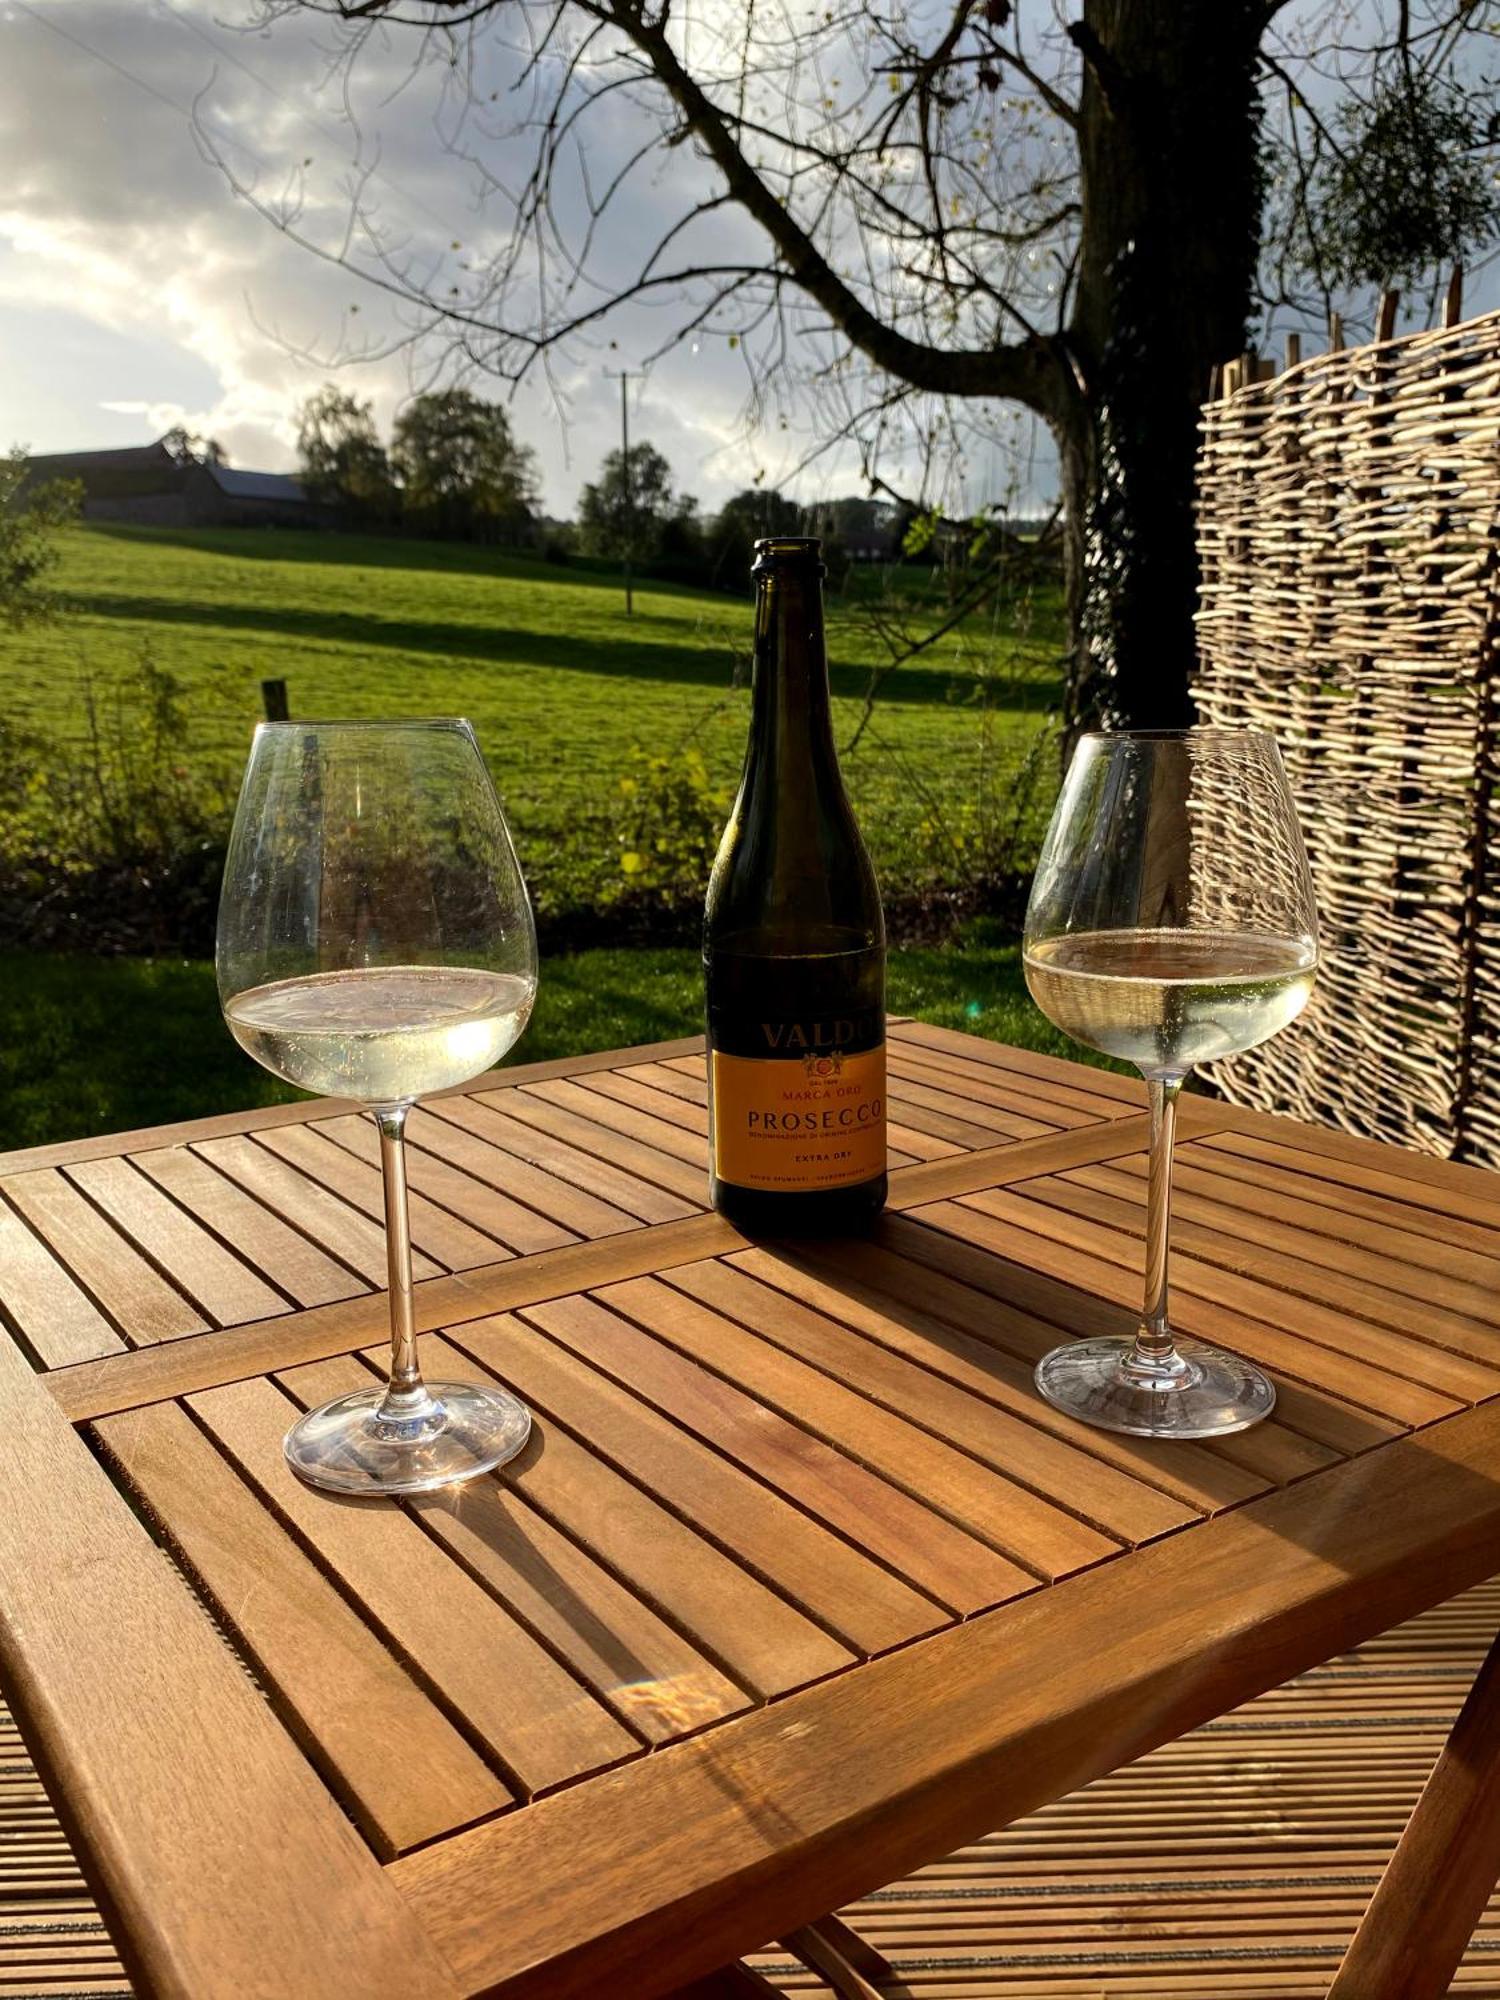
(1194, 734)
(374, 722)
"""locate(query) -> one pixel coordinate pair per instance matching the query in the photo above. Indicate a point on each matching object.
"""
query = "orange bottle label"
(796, 1127)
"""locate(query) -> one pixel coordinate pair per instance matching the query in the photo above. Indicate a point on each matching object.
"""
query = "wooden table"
(798, 1583)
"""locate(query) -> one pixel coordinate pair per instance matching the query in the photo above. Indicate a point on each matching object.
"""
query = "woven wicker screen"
(1349, 531)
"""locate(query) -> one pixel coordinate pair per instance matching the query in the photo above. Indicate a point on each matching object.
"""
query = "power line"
(186, 110)
(330, 132)
(67, 35)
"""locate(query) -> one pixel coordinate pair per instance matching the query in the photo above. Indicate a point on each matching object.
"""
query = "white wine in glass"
(1171, 998)
(376, 943)
(1171, 923)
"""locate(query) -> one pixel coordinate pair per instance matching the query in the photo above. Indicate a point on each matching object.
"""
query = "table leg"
(1444, 1869)
(731, 1982)
(841, 1956)
(828, 1947)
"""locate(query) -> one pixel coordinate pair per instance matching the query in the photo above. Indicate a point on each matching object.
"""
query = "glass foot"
(452, 1432)
(1212, 1392)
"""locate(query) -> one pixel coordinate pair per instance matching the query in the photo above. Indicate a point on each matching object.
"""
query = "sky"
(137, 290)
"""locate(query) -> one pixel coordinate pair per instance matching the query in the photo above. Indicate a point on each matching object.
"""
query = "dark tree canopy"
(914, 214)
(632, 510)
(460, 467)
(186, 447)
(342, 461)
(730, 538)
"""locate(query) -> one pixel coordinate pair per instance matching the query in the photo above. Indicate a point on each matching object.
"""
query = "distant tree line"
(454, 469)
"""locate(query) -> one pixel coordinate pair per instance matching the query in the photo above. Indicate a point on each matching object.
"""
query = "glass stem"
(406, 1394)
(1154, 1353)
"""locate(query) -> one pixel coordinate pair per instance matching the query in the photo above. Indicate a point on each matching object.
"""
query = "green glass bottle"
(794, 947)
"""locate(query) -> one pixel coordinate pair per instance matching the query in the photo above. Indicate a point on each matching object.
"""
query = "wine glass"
(1171, 922)
(375, 942)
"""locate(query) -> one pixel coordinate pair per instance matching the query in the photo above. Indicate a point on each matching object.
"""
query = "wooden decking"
(1233, 1863)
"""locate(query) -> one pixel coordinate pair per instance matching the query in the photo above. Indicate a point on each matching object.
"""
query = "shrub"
(120, 846)
(667, 827)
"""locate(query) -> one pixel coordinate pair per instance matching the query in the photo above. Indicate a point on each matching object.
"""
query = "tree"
(342, 461)
(462, 472)
(30, 516)
(631, 510)
(739, 524)
(958, 205)
(185, 447)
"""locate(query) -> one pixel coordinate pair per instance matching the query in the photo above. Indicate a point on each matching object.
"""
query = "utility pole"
(626, 376)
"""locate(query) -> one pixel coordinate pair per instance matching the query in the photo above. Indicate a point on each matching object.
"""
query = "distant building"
(153, 486)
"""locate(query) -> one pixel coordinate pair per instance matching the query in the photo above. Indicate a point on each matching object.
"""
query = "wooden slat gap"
(705, 1533)
(896, 1409)
(111, 1319)
(483, 1749)
(808, 1430)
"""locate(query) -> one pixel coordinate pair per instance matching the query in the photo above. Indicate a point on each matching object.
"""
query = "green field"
(564, 691)
(562, 687)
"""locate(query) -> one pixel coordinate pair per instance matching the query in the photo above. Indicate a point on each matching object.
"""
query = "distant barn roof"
(258, 485)
(120, 457)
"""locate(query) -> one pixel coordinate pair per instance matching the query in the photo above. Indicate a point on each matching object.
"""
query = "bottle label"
(798, 1125)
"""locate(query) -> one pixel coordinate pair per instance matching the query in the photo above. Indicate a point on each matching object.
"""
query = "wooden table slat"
(450, 1242)
(845, 1591)
(342, 1230)
(381, 1741)
(646, 1670)
(990, 1349)
(131, 1290)
(1448, 1318)
(587, 1132)
(1401, 1259)
(216, 1853)
(761, 1641)
(300, 1267)
(1057, 1104)
(952, 1402)
(950, 1566)
(503, 1221)
(1224, 1271)
(216, 1280)
(55, 1316)
(591, 1196)
(1204, 1302)
(540, 1725)
(1039, 1532)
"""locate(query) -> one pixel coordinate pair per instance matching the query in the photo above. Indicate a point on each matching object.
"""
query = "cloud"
(141, 291)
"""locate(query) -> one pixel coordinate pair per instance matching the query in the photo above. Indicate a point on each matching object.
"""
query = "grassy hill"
(562, 687)
(564, 691)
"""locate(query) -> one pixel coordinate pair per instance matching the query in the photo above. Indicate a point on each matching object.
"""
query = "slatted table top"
(798, 1583)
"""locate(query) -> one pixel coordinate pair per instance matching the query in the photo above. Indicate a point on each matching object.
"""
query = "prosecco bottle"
(794, 947)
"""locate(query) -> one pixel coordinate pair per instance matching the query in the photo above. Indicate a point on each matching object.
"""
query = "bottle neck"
(791, 726)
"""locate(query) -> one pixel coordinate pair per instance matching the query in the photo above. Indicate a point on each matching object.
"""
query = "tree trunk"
(1171, 196)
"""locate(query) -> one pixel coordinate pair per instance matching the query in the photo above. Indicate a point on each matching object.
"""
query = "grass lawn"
(561, 686)
(99, 1045)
